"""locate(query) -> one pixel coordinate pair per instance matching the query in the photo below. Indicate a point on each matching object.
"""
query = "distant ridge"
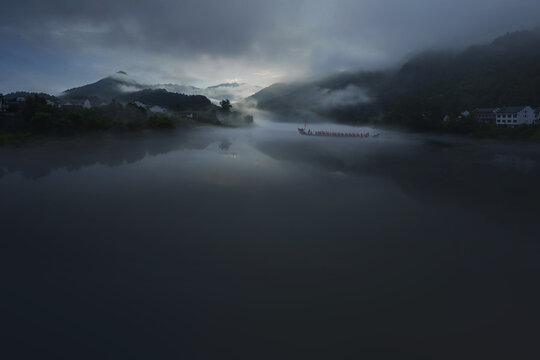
(119, 84)
(235, 84)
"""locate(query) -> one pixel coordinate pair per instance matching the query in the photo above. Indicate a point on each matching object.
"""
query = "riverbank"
(474, 129)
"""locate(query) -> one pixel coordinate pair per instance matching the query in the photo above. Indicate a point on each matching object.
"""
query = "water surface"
(260, 243)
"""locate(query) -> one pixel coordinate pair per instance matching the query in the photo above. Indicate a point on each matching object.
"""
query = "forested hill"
(167, 99)
(108, 88)
(430, 85)
(505, 72)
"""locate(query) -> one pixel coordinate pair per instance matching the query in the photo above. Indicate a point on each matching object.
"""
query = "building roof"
(73, 102)
(511, 109)
(485, 110)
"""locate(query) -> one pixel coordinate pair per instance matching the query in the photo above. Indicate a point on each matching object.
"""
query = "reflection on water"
(261, 243)
(520, 163)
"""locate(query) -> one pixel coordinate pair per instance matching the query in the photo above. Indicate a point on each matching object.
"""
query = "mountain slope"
(231, 91)
(324, 95)
(180, 89)
(428, 86)
(162, 97)
(118, 85)
(107, 88)
(505, 72)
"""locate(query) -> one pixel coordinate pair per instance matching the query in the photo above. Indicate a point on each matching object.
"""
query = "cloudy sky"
(57, 44)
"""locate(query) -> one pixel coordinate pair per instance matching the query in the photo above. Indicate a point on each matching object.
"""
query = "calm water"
(262, 244)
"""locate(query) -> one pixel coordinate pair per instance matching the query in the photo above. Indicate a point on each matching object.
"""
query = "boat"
(308, 132)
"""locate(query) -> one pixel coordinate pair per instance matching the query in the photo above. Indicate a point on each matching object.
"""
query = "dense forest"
(34, 116)
(170, 100)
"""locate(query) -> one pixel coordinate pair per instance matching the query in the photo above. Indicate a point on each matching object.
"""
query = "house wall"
(525, 116)
(506, 119)
(485, 117)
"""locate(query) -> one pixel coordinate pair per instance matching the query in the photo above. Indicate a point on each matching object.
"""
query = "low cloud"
(212, 40)
(349, 96)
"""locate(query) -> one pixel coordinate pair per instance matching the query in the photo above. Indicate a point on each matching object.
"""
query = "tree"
(225, 105)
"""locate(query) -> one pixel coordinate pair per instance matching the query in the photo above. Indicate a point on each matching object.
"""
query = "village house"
(514, 116)
(140, 104)
(76, 103)
(486, 115)
(12, 104)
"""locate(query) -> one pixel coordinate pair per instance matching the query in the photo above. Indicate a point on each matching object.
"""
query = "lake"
(260, 243)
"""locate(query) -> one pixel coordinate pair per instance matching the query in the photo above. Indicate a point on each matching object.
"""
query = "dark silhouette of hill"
(111, 87)
(162, 97)
(14, 95)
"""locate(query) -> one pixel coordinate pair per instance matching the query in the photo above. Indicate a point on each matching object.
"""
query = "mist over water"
(260, 243)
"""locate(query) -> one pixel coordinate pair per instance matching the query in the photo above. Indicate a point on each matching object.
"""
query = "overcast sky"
(57, 44)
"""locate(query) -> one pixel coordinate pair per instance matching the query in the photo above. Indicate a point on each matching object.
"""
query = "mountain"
(505, 72)
(232, 91)
(216, 93)
(118, 85)
(180, 89)
(107, 88)
(123, 88)
(322, 95)
(420, 92)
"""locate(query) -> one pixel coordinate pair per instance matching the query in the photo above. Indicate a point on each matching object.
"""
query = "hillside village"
(14, 103)
(23, 115)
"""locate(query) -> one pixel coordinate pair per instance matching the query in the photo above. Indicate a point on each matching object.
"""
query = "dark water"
(263, 244)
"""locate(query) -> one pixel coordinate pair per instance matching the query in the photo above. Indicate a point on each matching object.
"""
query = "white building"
(158, 109)
(76, 103)
(140, 104)
(515, 116)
